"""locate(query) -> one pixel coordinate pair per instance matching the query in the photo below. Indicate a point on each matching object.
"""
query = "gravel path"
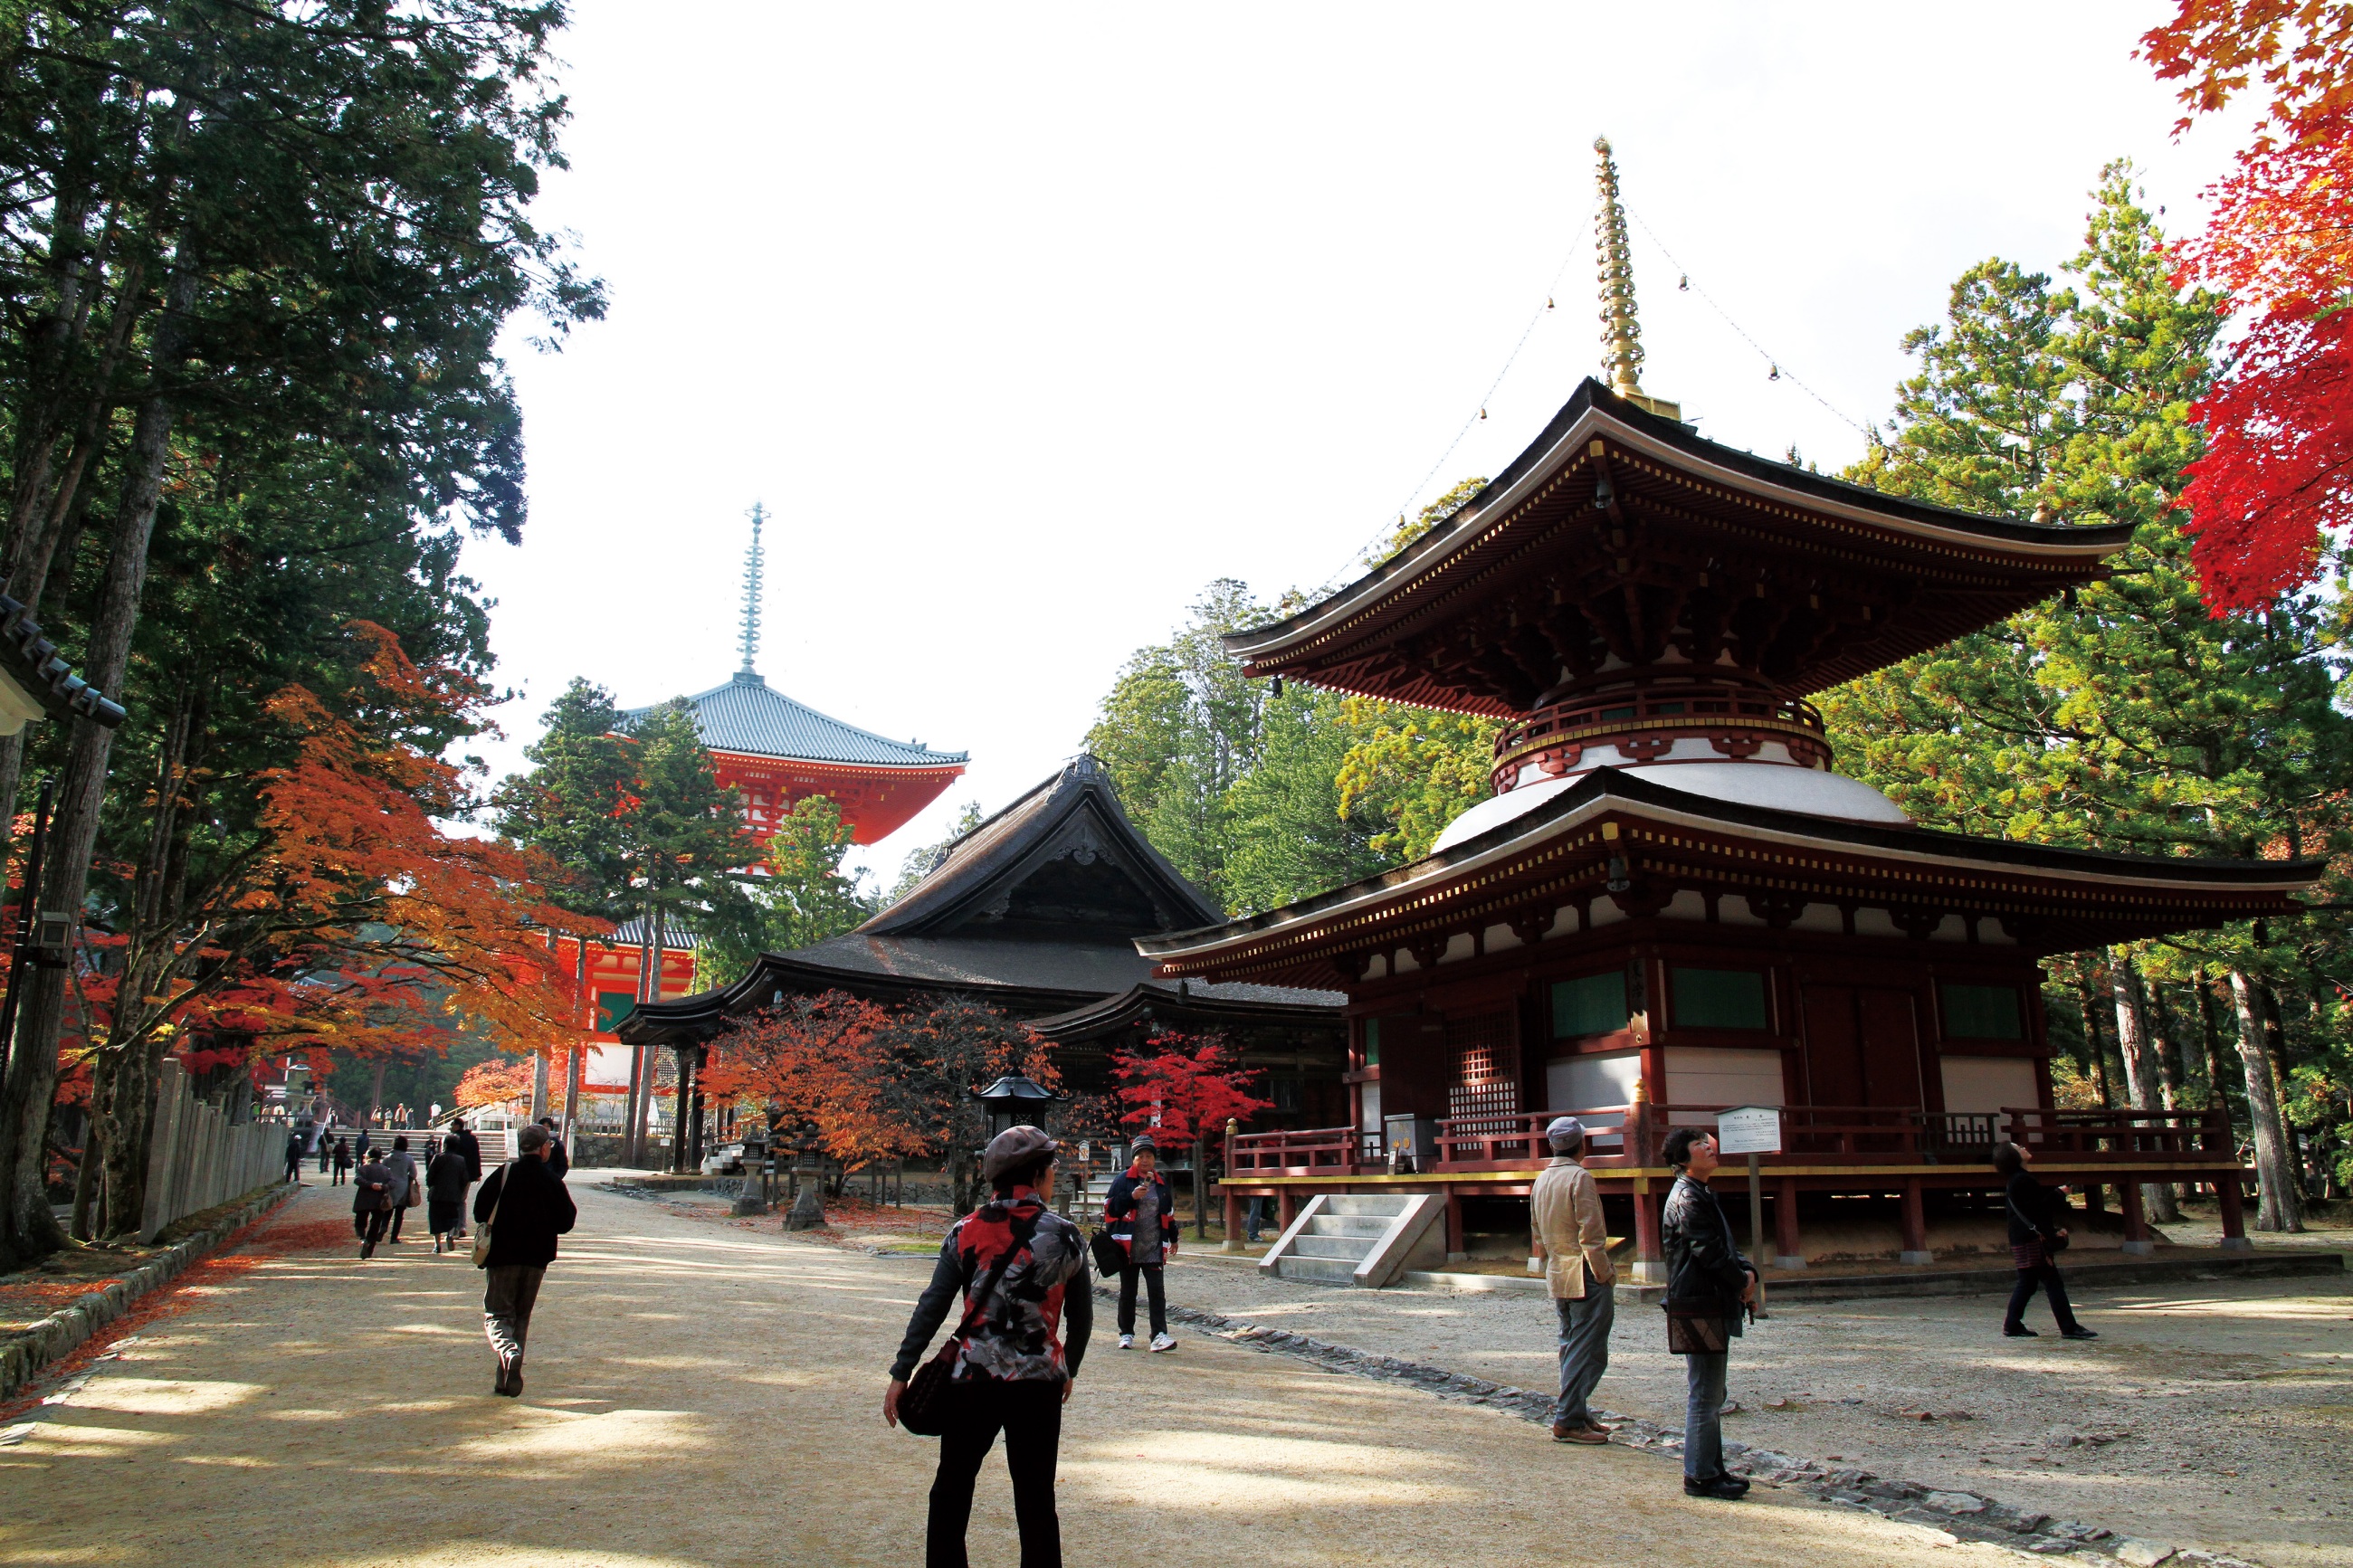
(2216, 1415)
(705, 1394)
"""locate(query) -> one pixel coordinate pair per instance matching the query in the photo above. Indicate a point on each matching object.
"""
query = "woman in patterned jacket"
(1009, 1373)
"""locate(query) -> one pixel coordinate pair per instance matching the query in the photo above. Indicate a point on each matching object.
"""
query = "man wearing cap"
(1565, 1220)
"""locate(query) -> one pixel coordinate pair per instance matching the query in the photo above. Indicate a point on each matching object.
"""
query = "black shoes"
(509, 1380)
(1728, 1488)
(2078, 1332)
(2020, 1331)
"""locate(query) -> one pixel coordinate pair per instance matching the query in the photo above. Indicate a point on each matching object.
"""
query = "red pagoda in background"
(777, 752)
(1672, 906)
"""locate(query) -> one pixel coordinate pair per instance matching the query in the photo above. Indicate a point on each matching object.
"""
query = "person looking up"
(1709, 1285)
(2036, 1239)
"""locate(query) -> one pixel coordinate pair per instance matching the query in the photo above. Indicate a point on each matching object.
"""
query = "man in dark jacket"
(445, 1196)
(557, 1160)
(526, 1208)
(294, 1152)
(371, 1200)
(461, 1138)
(2036, 1238)
(1709, 1284)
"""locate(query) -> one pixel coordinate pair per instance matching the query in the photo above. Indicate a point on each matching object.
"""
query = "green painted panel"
(1594, 1005)
(1719, 998)
(1982, 1012)
(612, 1007)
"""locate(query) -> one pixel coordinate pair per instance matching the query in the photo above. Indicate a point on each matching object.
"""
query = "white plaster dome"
(1814, 791)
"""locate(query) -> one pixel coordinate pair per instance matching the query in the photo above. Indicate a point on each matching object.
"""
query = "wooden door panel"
(1833, 1050)
(1891, 1049)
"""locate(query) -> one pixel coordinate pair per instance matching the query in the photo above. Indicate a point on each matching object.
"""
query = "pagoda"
(777, 752)
(1672, 905)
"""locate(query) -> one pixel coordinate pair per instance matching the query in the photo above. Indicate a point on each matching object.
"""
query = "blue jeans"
(1257, 1215)
(1703, 1416)
(1583, 1350)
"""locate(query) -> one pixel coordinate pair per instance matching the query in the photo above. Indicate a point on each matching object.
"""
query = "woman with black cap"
(1022, 1269)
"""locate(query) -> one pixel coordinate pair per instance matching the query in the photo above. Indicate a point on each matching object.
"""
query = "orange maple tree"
(498, 1081)
(2277, 474)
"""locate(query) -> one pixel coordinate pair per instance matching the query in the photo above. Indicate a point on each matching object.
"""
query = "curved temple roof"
(1621, 539)
(747, 717)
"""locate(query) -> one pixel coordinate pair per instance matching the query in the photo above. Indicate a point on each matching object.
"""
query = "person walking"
(1564, 1213)
(342, 1160)
(1709, 1285)
(410, 1190)
(2036, 1239)
(326, 1148)
(1140, 1212)
(371, 1201)
(526, 1208)
(462, 1139)
(1028, 1265)
(294, 1152)
(445, 1197)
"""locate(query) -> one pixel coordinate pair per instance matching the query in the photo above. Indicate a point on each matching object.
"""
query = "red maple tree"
(2277, 474)
(1184, 1089)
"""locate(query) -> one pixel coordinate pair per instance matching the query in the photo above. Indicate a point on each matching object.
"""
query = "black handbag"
(923, 1408)
(1697, 1326)
(1110, 1256)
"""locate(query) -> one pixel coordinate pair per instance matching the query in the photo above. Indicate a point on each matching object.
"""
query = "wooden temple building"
(1035, 912)
(1672, 906)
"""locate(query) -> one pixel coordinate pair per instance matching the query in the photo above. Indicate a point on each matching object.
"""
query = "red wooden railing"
(1630, 1135)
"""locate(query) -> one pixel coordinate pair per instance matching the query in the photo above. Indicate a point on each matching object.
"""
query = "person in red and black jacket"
(1009, 1373)
(1142, 1218)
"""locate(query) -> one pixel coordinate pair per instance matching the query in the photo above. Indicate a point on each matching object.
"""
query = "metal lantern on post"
(1015, 1101)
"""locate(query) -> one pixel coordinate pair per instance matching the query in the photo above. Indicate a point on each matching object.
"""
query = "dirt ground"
(699, 1394)
(2206, 1415)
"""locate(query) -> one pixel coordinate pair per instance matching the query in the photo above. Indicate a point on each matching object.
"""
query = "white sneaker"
(1164, 1341)
(1127, 1342)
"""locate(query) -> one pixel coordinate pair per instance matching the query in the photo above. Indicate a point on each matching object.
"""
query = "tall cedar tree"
(2131, 719)
(231, 229)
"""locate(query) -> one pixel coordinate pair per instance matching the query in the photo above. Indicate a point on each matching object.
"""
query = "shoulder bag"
(482, 1231)
(2050, 1243)
(923, 1408)
(1110, 1256)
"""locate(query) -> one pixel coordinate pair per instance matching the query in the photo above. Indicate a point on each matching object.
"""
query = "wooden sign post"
(1752, 1130)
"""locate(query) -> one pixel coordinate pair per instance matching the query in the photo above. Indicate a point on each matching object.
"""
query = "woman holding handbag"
(2036, 1239)
(1022, 1269)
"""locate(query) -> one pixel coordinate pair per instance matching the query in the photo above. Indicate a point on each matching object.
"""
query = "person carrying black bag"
(2036, 1239)
(1709, 1286)
(1023, 1270)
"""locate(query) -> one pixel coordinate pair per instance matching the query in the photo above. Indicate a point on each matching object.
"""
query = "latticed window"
(1485, 1060)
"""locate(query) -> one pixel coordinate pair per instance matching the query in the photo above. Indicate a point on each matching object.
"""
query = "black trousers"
(294, 1166)
(369, 1226)
(1156, 1287)
(1030, 1415)
(2046, 1275)
(397, 1210)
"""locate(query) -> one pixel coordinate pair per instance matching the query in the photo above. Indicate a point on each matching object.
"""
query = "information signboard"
(1748, 1129)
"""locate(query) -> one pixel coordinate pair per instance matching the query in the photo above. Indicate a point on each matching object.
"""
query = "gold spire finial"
(1621, 331)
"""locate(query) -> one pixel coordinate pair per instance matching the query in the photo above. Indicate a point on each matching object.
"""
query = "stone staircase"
(1360, 1239)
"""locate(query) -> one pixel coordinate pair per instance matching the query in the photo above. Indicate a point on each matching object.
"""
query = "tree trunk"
(87, 1192)
(2217, 1073)
(2140, 1068)
(2282, 1208)
(2095, 1049)
(633, 1112)
(132, 1136)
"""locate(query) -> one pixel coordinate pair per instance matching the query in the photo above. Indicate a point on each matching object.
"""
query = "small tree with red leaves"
(1185, 1088)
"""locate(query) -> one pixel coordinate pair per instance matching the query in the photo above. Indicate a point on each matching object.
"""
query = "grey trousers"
(507, 1301)
(1583, 1350)
(1703, 1416)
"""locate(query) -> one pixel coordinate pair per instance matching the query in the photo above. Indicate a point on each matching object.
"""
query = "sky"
(1027, 323)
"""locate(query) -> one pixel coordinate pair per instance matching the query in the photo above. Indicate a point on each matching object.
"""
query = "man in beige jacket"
(1565, 1215)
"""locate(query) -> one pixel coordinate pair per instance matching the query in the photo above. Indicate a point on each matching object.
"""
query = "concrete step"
(1346, 1224)
(1363, 1207)
(1323, 1270)
(1352, 1247)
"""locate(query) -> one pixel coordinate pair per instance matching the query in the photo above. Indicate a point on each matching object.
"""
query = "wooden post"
(1649, 1256)
(2136, 1238)
(1788, 1251)
(1454, 1252)
(1286, 1207)
(2235, 1211)
(1916, 1226)
(1233, 1198)
(2092, 1202)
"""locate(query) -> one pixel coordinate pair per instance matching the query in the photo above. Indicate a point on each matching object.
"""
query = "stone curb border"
(1956, 1516)
(23, 1353)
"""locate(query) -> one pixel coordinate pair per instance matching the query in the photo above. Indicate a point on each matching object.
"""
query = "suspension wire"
(1552, 290)
(1779, 372)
